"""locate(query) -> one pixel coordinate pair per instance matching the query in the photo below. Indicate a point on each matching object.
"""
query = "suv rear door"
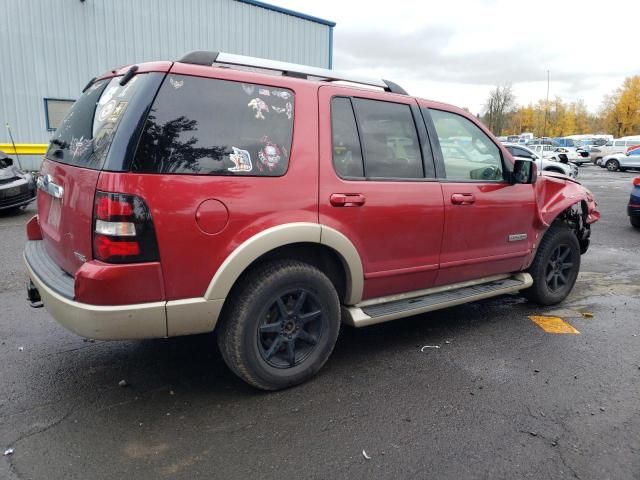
(378, 187)
(489, 223)
(80, 148)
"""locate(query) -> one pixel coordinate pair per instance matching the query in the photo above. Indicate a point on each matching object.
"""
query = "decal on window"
(281, 94)
(248, 89)
(176, 83)
(107, 110)
(287, 109)
(269, 156)
(259, 106)
(241, 160)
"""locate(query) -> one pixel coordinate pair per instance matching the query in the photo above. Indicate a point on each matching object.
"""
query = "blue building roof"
(286, 11)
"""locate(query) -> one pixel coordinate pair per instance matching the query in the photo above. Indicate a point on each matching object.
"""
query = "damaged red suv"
(270, 204)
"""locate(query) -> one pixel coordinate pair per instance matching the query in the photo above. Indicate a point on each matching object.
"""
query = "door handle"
(347, 199)
(463, 199)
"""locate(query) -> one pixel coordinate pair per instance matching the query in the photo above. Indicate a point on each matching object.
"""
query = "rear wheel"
(281, 325)
(555, 267)
(612, 165)
(635, 221)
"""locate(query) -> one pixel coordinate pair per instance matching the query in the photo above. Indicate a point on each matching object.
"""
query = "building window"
(55, 109)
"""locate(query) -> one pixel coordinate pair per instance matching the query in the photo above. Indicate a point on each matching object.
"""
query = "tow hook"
(33, 295)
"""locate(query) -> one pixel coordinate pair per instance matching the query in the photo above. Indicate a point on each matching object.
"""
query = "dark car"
(633, 209)
(17, 188)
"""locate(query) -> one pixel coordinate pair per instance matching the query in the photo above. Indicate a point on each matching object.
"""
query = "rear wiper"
(60, 143)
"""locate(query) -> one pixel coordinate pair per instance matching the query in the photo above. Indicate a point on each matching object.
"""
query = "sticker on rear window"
(248, 89)
(108, 94)
(107, 110)
(269, 156)
(176, 83)
(241, 160)
(287, 110)
(259, 106)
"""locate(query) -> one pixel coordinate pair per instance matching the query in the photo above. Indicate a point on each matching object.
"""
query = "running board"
(381, 310)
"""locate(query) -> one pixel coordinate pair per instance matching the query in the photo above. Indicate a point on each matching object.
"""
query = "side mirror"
(524, 171)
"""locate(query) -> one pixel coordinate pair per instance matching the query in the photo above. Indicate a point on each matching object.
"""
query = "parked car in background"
(17, 188)
(544, 164)
(562, 154)
(622, 161)
(566, 142)
(619, 145)
(633, 209)
(542, 141)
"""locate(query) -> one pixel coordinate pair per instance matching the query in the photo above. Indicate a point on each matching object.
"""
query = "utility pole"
(546, 108)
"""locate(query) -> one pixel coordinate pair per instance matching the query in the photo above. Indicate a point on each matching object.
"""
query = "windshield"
(84, 137)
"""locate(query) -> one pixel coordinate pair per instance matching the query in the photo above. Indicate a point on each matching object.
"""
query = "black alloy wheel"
(291, 328)
(558, 268)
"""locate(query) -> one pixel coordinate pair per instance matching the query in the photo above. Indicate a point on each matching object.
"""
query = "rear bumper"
(121, 322)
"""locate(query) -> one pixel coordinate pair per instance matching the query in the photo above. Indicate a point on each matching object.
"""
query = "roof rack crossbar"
(289, 69)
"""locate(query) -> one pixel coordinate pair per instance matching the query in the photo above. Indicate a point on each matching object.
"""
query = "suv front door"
(378, 187)
(489, 223)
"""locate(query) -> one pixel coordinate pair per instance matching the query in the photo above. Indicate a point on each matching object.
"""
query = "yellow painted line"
(24, 148)
(553, 324)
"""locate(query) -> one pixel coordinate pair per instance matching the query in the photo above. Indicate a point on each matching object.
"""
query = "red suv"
(271, 203)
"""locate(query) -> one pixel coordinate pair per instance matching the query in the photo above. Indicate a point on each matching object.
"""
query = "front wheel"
(555, 267)
(281, 325)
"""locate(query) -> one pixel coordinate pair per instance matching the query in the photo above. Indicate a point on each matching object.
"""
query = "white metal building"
(51, 48)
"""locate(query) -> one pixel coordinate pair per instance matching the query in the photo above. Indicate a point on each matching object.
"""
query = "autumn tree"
(500, 102)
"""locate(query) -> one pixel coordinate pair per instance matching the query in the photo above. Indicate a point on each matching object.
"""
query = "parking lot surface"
(500, 398)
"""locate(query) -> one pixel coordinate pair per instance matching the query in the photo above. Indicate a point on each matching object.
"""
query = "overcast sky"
(456, 50)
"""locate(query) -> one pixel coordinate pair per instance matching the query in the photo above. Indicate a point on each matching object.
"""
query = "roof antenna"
(15, 151)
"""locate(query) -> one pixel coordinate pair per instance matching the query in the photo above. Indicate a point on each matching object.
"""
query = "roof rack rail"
(289, 69)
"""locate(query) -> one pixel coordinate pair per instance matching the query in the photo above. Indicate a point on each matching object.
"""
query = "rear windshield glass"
(84, 137)
(217, 127)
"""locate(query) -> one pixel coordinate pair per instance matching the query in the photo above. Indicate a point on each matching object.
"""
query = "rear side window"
(85, 135)
(206, 126)
(347, 154)
(389, 139)
(468, 153)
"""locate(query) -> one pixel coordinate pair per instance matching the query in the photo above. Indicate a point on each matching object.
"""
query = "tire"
(612, 165)
(555, 267)
(282, 307)
(635, 221)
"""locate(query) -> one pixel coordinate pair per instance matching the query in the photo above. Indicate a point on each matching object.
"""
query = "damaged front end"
(566, 200)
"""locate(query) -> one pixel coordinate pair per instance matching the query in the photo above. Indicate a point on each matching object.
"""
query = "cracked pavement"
(502, 399)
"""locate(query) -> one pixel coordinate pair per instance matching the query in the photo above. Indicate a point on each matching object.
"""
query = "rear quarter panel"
(188, 256)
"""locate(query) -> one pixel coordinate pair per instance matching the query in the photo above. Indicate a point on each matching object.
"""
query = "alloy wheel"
(291, 328)
(558, 268)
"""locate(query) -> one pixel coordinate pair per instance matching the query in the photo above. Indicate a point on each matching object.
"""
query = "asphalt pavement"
(500, 398)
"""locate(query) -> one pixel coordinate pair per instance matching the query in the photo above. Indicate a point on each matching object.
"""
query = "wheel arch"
(322, 246)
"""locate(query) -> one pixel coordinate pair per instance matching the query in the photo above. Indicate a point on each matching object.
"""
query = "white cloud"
(457, 50)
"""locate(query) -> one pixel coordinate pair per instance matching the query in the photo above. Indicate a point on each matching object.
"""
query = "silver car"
(622, 161)
(543, 164)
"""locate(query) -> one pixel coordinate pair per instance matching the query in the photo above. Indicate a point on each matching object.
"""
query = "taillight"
(123, 229)
(636, 182)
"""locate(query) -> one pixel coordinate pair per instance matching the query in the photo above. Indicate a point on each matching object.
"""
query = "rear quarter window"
(204, 126)
(85, 135)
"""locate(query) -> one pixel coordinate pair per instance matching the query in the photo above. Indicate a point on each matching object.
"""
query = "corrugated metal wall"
(51, 48)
